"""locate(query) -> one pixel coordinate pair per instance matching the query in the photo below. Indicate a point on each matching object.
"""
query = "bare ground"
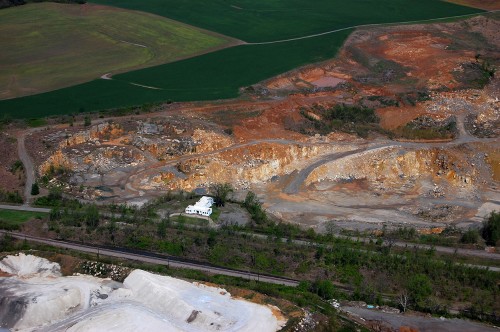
(256, 143)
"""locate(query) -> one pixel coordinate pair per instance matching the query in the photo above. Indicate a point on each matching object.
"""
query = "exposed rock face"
(392, 168)
(487, 122)
(109, 158)
(164, 148)
(241, 167)
(207, 141)
(102, 131)
(56, 161)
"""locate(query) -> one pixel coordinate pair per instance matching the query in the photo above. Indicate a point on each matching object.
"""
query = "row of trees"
(491, 229)
(11, 3)
(87, 215)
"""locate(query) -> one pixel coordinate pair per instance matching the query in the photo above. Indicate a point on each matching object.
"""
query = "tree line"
(13, 3)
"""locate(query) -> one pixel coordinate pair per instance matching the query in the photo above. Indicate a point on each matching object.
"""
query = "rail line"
(152, 258)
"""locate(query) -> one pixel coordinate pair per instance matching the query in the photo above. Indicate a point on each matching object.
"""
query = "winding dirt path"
(464, 137)
(370, 25)
(294, 185)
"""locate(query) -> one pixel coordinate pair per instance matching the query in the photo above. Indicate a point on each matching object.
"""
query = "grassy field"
(10, 219)
(266, 20)
(47, 46)
(220, 74)
(211, 76)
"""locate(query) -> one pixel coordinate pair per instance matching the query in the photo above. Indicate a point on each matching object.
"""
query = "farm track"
(368, 26)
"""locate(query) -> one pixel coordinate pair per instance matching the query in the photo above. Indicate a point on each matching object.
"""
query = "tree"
(404, 300)
(389, 238)
(55, 214)
(251, 200)
(254, 207)
(420, 288)
(91, 216)
(162, 229)
(491, 229)
(324, 288)
(221, 192)
(35, 190)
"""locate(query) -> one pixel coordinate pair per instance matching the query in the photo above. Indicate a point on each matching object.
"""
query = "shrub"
(420, 288)
(10, 197)
(471, 236)
(491, 229)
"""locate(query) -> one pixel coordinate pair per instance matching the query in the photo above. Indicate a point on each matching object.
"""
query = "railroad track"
(153, 258)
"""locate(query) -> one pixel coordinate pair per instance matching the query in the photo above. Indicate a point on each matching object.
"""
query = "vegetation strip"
(150, 258)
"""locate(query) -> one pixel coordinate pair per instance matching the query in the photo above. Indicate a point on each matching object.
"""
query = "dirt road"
(28, 167)
(419, 323)
(24, 208)
(294, 185)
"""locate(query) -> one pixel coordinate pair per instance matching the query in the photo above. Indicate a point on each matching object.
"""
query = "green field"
(267, 20)
(211, 76)
(48, 46)
(11, 219)
(220, 74)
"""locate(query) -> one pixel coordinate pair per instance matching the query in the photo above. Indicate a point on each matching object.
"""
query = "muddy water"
(326, 82)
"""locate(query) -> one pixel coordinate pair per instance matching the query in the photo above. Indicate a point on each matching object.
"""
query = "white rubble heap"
(26, 266)
(144, 302)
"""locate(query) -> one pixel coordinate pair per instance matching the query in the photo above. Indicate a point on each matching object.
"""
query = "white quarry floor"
(145, 301)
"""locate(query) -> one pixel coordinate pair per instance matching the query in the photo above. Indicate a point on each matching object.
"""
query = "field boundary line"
(368, 25)
(145, 86)
(134, 44)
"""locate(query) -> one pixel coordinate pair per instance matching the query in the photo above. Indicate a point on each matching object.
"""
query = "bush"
(8, 226)
(352, 114)
(17, 165)
(54, 198)
(324, 288)
(420, 288)
(10, 197)
(254, 207)
(471, 236)
(491, 229)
